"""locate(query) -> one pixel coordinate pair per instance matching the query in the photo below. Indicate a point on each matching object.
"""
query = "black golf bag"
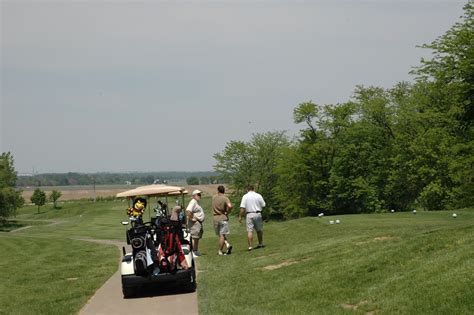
(143, 250)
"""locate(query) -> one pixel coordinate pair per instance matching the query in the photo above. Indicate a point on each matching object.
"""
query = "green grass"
(46, 271)
(51, 276)
(387, 263)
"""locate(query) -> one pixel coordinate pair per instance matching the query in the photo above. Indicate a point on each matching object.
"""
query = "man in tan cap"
(196, 219)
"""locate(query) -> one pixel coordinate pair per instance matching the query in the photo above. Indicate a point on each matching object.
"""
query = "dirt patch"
(354, 307)
(282, 264)
(208, 190)
(378, 238)
(87, 192)
(285, 263)
(384, 238)
(77, 194)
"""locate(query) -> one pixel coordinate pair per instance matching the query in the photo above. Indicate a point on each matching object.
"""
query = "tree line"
(407, 146)
(133, 178)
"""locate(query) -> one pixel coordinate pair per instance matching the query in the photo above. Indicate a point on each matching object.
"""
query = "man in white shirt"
(196, 219)
(252, 204)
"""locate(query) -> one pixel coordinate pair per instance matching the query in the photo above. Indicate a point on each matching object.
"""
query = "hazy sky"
(152, 86)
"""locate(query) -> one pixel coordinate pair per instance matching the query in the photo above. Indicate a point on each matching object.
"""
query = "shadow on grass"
(10, 226)
(148, 291)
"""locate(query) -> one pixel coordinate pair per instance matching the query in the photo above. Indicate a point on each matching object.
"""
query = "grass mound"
(379, 263)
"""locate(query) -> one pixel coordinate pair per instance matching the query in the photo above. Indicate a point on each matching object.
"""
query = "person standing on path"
(252, 204)
(221, 207)
(196, 219)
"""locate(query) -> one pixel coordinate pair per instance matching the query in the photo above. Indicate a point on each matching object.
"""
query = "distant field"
(86, 192)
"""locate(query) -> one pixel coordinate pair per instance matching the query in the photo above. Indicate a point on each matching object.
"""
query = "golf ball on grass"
(455, 215)
(331, 222)
(337, 221)
(414, 211)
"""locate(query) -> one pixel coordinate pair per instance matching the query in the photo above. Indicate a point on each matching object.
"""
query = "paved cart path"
(109, 299)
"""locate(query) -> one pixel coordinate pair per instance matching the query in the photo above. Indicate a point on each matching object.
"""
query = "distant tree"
(38, 198)
(149, 179)
(193, 180)
(10, 199)
(54, 196)
(203, 180)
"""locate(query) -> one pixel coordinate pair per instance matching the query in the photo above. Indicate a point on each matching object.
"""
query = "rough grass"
(380, 263)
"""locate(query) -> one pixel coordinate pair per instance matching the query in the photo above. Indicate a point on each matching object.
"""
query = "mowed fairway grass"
(397, 263)
(45, 270)
(382, 263)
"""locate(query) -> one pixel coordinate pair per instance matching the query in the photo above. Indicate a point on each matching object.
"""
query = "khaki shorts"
(254, 221)
(196, 230)
(221, 227)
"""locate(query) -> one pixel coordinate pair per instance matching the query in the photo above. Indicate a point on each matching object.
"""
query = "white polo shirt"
(196, 209)
(252, 202)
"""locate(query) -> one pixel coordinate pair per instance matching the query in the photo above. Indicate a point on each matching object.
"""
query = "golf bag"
(143, 248)
(170, 252)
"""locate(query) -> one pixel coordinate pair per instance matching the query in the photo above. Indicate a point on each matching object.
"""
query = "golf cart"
(161, 247)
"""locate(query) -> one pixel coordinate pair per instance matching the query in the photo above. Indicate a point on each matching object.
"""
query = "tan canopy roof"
(153, 190)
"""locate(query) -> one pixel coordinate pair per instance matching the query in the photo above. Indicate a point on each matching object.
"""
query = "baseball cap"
(197, 191)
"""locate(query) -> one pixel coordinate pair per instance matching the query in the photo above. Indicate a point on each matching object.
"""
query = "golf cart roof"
(153, 191)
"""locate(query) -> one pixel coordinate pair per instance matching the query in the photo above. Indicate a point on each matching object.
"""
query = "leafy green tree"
(193, 180)
(450, 70)
(236, 164)
(304, 169)
(448, 81)
(54, 196)
(383, 149)
(10, 199)
(38, 198)
(244, 163)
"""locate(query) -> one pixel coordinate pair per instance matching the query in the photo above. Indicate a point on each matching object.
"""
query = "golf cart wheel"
(129, 292)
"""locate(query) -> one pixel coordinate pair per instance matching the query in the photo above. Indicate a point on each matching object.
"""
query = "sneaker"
(250, 248)
(197, 253)
(260, 246)
(221, 253)
(229, 249)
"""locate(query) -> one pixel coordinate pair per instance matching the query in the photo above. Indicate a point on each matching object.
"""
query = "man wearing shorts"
(221, 208)
(252, 205)
(196, 219)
